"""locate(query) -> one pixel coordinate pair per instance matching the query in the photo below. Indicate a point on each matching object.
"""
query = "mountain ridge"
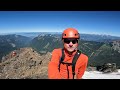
(26, 64)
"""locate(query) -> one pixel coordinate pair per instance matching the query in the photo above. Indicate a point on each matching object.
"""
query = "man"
(57, 70)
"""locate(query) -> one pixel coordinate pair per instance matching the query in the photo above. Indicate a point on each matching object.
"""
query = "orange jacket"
(80, 67)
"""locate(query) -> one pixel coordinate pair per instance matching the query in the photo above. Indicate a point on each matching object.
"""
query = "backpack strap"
(74, 61)
(75, 58)
(61, 59)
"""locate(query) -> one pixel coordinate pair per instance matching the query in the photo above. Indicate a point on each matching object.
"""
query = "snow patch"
(101, 75)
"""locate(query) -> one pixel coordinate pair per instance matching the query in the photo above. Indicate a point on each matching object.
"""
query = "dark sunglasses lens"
(66, 41)
(74, 41)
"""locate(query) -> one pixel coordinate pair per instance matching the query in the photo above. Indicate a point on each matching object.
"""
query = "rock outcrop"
(26, 64)
(116, 45)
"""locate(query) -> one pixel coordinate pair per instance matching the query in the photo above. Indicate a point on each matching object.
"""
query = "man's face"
(70, 44)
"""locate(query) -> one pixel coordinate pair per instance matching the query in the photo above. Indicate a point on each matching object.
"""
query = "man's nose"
(70, 44)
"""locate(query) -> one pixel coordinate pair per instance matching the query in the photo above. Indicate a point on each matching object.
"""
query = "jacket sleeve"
(82, 68)
(53, 72)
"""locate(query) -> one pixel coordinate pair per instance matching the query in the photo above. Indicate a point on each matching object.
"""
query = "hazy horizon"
(48, 32)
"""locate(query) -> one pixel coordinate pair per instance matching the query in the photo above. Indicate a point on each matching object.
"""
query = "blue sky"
(90, 22)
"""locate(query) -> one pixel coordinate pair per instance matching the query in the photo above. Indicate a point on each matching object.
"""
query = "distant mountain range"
(99, 48)
(99, 38)
(87, 37)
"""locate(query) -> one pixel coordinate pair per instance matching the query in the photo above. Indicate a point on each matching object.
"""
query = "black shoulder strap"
(63, 55)
(61, 59)
(74, 61)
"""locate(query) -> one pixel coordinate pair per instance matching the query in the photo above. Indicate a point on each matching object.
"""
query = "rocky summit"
(25, 63)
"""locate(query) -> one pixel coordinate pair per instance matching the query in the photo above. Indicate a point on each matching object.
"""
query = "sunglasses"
(74, 41)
